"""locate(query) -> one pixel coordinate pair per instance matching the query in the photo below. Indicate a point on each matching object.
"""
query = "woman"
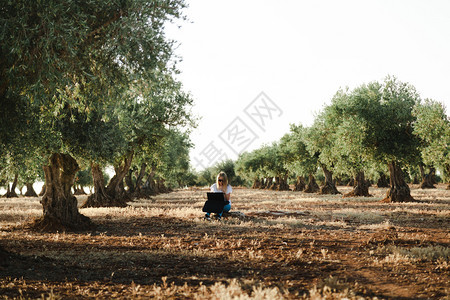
(221, 186)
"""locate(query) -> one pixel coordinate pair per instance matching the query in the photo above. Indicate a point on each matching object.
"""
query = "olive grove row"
(90, 84)
(375, 131)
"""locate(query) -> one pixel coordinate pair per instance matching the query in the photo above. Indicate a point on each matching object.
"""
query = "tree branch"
(103, 26)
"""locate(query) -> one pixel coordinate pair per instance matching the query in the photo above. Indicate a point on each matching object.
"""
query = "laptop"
(215, 196)
(215, 202)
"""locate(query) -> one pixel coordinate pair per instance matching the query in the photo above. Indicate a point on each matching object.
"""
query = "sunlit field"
(281, 245)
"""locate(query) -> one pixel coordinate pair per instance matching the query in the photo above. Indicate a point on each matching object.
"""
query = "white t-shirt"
(214, 189)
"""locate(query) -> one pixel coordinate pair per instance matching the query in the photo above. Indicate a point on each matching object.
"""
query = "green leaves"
(362, 130)
(94, 78)
(432, 126)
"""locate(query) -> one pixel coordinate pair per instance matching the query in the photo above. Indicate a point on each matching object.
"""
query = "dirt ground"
(281, 245)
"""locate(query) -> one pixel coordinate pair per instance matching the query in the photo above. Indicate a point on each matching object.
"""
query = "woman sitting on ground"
(221, 186)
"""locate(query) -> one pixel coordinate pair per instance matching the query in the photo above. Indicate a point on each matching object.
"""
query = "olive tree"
(146, 119)
(385, 118)
(246, 167)
(299, 160)
(320, 143)
(275, 165)
(76, 57)
(251, 166)
(349, 133)
(433, 128)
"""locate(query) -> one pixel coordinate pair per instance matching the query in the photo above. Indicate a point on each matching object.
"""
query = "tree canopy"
(433, 128)
(375, 127)
(91, 80)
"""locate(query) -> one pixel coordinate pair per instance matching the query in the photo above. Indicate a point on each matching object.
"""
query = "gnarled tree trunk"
(383, 181)
(256, 183)
(270, 182)
(140, 177)
(276, 183)
(144, 189)
(399, 191)
(351, 182)
(11, 191)
(42, 192)
(99, 198)
(115, 188)
(60, 207)
(300, 184)
(427, 179)
(78, 190)
(264, 183)
(312, 186)
(150, 184)
(283, 185)
(329, 187)
(102, 197)
(162, 188)
(339, 181)
(129, 182)
(30, 190)
(149, 187)
(361, 187)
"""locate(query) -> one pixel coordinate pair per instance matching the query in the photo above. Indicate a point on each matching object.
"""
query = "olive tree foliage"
(376, 129)
(249, 167)
(320, 142)
(253, 167)
(433, 128)
(144, 177)
(274, 158)
(264, 167)
(298, 160)
(204, 177)
(83, 179)
(350, 155)
(378, 173)
(229, 167)
(147, 119)
(29, 171)
(232, 168)
(20, 167)
(20, 163)
(270, 165)
(171, 161)
(371, 124)
(384, 112)
(75, 61)
(208, 176)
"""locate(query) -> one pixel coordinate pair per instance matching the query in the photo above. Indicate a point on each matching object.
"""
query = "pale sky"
(299, 53)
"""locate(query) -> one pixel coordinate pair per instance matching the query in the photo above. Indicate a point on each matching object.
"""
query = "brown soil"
(301, 245)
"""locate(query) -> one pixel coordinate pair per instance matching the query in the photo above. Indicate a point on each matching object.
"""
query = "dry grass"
(290, 245)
